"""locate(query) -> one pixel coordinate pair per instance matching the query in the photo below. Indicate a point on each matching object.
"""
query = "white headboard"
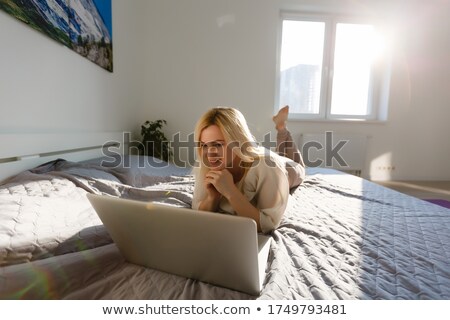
(19, 152)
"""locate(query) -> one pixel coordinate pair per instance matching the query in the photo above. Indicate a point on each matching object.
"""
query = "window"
(332, 68)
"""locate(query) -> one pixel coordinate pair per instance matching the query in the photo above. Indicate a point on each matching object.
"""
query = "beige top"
(266, 186)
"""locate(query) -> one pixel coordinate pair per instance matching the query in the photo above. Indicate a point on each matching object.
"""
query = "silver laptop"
(220, 249)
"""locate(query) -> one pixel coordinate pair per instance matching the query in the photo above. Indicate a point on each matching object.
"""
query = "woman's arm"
(209, 203)
(206, 197)
(242, 206)
(222, 181)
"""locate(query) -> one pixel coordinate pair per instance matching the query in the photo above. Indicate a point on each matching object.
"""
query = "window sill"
(339, 121)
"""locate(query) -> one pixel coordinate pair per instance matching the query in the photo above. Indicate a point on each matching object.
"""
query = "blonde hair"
(234, 128)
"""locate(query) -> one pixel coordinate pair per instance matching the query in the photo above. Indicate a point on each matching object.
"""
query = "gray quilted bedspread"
(342, 237)
(45, 212)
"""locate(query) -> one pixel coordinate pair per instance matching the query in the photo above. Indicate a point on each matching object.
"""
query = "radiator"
(341, 151)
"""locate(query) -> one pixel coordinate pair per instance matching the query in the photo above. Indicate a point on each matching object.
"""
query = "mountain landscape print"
(85, 26)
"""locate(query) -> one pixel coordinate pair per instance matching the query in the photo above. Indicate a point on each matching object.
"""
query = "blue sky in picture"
(104, 8)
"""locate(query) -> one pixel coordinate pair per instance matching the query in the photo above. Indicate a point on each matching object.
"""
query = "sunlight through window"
(356, 47)
(301, 65)
(331, 70)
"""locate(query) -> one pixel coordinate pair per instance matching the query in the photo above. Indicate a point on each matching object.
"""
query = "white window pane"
(353, 54)
(301, 65)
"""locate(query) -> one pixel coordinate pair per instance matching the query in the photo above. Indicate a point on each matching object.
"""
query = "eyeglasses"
(216, 146)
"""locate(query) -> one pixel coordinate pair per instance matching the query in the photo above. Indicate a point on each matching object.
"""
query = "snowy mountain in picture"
(78, 24)
(54, 12)
(81, 18)
(85, 21)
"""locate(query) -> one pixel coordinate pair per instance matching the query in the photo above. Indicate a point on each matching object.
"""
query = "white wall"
(174, 59)
(203, 53)
(46, 87)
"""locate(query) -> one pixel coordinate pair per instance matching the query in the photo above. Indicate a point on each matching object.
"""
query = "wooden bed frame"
(19, 152)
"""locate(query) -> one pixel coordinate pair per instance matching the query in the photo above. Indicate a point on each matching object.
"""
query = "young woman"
(237, 176)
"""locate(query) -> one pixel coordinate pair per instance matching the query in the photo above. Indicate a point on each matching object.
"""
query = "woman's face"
(216, 155)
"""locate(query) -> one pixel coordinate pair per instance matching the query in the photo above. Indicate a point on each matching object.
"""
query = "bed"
(342, 237)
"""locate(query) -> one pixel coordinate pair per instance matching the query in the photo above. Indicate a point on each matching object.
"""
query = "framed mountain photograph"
(84, 26)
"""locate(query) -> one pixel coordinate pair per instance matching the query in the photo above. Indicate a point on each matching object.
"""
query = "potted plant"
(154, 142)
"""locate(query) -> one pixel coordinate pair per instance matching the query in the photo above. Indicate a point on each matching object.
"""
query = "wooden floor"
(421, 189)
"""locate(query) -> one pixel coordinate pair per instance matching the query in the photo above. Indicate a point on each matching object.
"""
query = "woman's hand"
(211, 191)
(212, 200)
(222, 182)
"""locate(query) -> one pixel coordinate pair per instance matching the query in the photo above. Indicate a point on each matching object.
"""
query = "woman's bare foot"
(281, 117)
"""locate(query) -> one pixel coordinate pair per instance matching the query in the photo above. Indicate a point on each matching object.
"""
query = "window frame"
(378, 83)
